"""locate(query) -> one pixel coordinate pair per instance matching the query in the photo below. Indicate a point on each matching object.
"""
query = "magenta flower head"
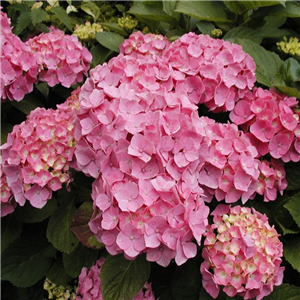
(139, 44)
(242, 254)
(272, 121)
(7, 201)
(18, 64)
(61, 58)
(89, 285)
(37, 155)
(218, 73)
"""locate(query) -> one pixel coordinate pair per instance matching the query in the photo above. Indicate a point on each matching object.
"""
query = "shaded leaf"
(122, 279)
(292, 10)
(28, 104)
(11, 229)
(292, 171)
(43, 87)
(286, 230)
(79, 258)
(205, 27)
(6, 128)
(30, 214)
(213, 11)
(186, 282)
(284, 291)
(291, 252)
(244, 6)
(110, 40)
(289, 91)
(26, 261)
(81, 228)
(57, 273)
(154, 13)
(293, 206)
(243, 33)
(114, 27)
(58, 230)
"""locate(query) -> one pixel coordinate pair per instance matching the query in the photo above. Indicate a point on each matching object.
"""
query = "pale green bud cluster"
(59, 292)
(291, 46)
(216, 33)
(127, 23)
(87, 31)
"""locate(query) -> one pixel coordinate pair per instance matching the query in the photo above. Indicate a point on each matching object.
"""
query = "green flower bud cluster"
(216, 33)
(291, 46)
(127, 23)
(59, 292)
(87, 31)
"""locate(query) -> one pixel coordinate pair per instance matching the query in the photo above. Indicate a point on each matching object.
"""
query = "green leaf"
(28, 104)
(110, 40)
(205, 27)
(62, 15)
(11, 229)
(6, 128)
(91, 9)
(79, 258)
(293, 206)
(115, 28)
(154, 13)
(267, 63)
(43, 87)
(26, 261)
(284, 291)
(57, 273)
(291, 252)
(243, 33)
(244, 6)
(122, 279)
(169, 6)
(292, 10)
(80, 226)
(58, 230)
(30, 214)
(38, 16)
(23, 22)
(213, 11)
(289, 91)
(290, 71)
(285, 230)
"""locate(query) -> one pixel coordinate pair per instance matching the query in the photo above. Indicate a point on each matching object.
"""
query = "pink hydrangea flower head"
(61, 58)
(242, 254)
(7, 202)
(139, 44)
(218, 72)
(18, 65)
(140, 143)
(89, 285)
(272, 121)
(37, 155)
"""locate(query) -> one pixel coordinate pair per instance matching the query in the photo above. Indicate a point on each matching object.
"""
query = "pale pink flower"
(242, 253)
(61, 58)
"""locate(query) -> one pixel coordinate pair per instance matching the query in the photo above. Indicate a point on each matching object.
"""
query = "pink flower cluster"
(139, 44)
(140, 143)
(7, 202)
(18, 65)
(61, 58)
(155, 162)
(89, 285)
(273, 124)
(218, 73)
(242, 254)
(37, 155)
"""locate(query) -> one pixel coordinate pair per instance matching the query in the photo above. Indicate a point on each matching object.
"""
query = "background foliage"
(55, 241)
